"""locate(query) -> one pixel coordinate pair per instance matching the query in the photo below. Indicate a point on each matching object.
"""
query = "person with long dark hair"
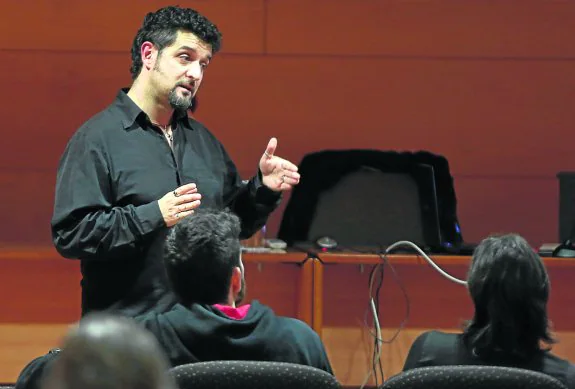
(509, 286)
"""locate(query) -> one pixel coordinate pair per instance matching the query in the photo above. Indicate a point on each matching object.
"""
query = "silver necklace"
(167, 133)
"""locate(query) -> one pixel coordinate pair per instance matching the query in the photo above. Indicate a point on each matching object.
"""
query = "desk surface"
(360, 258)
(290, 256)
(50, 253)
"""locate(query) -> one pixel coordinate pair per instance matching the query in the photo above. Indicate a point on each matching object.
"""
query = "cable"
(374, 303)
(376, 322)
(377, 349)
(402, 287)
(405, 296)
(429, 260)
(376, 357)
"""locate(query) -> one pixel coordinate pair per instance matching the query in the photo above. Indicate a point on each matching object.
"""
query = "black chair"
(251, 375)
(471, 377)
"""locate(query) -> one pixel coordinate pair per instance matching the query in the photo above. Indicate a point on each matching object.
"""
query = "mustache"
(187, 85)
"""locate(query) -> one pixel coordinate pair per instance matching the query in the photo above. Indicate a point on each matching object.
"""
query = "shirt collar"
(131, 112)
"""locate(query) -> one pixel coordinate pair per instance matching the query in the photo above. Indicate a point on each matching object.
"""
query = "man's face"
(179, 69)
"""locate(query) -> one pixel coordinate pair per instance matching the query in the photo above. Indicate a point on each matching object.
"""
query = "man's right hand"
(179, 203)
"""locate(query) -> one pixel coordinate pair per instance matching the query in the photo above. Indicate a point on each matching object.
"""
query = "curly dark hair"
(200, 254)
(509, 287)
(161, 28)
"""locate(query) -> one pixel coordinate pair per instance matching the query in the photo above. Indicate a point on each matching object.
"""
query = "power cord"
(374, 303)
(427, 258)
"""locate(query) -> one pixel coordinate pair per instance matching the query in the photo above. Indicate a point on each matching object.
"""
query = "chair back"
(251, 375)
(471, 377)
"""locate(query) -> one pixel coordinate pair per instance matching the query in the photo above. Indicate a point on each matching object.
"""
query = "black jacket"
(203, 333)
(436, 348)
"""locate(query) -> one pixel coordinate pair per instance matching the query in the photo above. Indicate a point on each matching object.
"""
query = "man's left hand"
(278, 174)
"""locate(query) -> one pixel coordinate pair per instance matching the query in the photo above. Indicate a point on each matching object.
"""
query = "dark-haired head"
(509, 287)
(109, 352)
(161, 29)
(202, 258)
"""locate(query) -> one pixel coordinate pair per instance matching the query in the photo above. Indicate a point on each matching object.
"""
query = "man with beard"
(141, 165)
(202, 258)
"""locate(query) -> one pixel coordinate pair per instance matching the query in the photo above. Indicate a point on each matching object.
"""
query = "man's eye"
(185, 57)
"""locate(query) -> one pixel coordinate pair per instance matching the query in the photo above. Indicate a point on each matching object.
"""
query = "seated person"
(509, 287)
(202, 258)
(102, 352)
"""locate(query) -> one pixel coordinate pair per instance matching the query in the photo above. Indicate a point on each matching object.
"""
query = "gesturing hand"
(278, 174)
(179, 203)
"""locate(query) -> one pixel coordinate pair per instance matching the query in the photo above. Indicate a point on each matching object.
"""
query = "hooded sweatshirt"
(204, 333)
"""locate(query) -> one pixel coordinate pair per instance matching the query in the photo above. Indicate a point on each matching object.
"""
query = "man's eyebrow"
(209, 56)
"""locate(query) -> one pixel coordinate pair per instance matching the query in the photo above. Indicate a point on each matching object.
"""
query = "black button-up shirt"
(113, 171)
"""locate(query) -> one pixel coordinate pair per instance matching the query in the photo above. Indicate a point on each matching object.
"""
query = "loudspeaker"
(566, 205)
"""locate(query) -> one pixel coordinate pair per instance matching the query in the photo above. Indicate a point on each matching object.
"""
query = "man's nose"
(194, 70)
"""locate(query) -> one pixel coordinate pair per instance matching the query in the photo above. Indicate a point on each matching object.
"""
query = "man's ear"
(236, 283)
(149, 55)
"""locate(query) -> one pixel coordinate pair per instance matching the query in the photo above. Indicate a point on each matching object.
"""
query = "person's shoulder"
(561, 367)
(289, 334)
(283, 325)
(118, 114)
(436, 336)
(570, 375)
(296, 324)
(102, 120)
(31, 376)
(196, 125)
(202, 130)
(154, 316)
(433, 348)
(102, 124)
(430, 341)
(173, 319)
(563, 364)
(294, 328)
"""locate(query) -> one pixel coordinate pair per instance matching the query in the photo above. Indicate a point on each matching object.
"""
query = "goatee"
(180, 103)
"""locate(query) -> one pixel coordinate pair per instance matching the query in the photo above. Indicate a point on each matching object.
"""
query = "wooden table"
(560, 269)
(28, 270)
(44, 287)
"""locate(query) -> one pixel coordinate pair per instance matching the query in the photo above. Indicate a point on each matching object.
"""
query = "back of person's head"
(509, 287)
(200, 255)
(161, 29)
(109, 352)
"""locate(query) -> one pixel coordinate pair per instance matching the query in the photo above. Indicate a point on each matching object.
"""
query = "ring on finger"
(175, 194)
